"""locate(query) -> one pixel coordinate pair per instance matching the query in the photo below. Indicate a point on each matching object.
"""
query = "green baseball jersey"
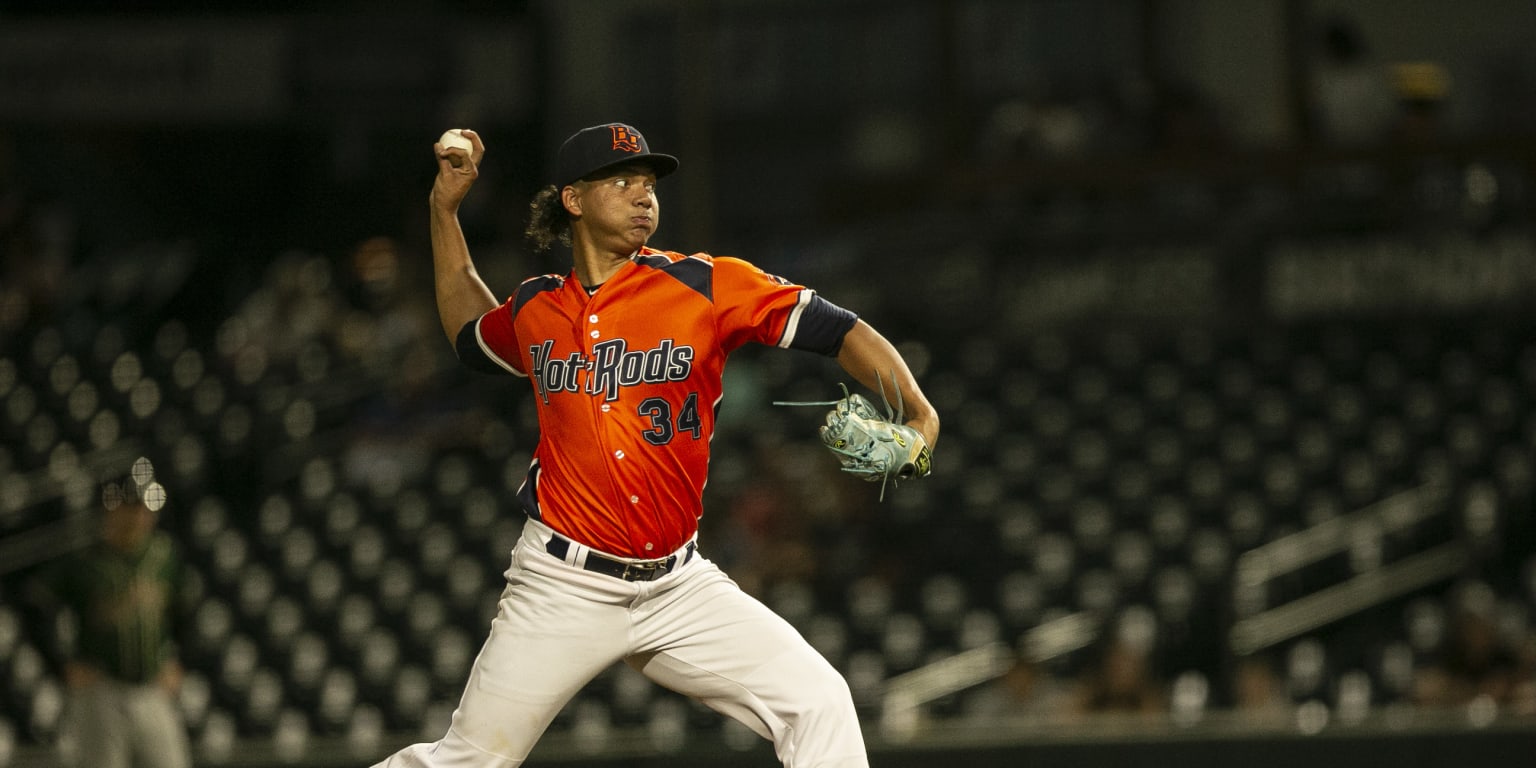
(124, 604)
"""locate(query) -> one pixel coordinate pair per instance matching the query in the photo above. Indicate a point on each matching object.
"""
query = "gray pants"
(110, 724)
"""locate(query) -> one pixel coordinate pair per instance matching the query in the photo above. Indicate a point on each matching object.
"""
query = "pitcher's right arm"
(461, 295)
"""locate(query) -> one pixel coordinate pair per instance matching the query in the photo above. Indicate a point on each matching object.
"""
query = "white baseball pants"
(693, 630)
(111, 724)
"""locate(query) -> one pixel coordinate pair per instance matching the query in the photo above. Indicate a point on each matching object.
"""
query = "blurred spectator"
(392, 331)
(1121, 680)
(1258, 693)
(389, 339)
(1422, 90)
(1473, 662)
(124, 594)
(1352, 97)
(1028, 690)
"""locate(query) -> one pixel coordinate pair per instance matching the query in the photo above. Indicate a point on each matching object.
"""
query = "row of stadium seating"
(347, 529)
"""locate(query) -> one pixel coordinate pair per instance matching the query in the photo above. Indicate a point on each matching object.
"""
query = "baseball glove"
(872, 445)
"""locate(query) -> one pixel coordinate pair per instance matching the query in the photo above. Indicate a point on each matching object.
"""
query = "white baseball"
(455, 137)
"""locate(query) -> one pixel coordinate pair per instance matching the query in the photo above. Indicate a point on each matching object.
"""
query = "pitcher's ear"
(571, 199)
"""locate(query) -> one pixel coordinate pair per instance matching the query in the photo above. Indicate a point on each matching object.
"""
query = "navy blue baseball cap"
(599, 147)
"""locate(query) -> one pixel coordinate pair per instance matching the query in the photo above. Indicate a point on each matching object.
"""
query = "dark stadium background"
(1227, 308)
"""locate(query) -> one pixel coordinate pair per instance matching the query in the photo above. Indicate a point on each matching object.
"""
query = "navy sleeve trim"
(471, 354)
(817, 325)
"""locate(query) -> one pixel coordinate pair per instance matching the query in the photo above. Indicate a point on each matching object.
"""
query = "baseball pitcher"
(624, 355)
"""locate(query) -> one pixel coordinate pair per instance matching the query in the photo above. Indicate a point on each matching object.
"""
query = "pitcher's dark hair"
(548, 221)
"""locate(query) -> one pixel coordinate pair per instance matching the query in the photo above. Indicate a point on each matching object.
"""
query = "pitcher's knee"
(825, 731)
(826, 699)
(452, 751)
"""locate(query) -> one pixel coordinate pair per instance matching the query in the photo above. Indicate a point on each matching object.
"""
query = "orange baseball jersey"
(628, 385)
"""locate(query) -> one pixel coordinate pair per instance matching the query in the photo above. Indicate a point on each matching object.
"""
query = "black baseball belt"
(644, 570)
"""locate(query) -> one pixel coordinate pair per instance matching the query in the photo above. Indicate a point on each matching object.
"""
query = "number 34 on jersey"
(613, 366)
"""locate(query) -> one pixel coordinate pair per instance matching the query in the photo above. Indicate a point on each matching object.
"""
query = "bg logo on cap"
(624, 140)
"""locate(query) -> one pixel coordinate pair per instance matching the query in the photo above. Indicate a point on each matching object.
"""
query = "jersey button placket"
(594, 333)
